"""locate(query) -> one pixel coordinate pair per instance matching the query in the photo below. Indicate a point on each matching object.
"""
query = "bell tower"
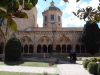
(52, 16)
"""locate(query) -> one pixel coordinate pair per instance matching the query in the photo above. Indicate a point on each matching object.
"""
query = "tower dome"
(52, 16)
(52, 7)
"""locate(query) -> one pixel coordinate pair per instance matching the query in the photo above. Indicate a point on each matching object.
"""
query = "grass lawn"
(28, 63)
(17, 73)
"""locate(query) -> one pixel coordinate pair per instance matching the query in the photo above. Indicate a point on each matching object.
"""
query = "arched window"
(63, 48)
(77, 49)
(50, 48)
(82, 48)
(39, 49)
(26, 49)
(58, 48)
(31, 49)
(45, 48)
(69, 48)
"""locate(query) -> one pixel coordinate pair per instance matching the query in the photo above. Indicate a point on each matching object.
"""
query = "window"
(58, 18)
(45, 18)
(52, 17)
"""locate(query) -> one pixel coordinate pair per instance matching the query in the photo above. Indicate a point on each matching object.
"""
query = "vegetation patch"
(20, 73)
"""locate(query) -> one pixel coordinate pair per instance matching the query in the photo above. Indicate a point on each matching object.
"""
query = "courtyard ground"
(66, 68)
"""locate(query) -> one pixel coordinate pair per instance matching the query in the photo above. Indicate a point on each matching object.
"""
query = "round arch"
(69, 48)
(39, 48)
(82, 48)
(31, 49)
(26, 48)
(44, 48)
(50, 49)
(63, 48)
(77, 49)
(58, 49)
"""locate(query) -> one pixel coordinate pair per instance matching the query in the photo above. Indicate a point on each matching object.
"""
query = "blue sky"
(67, 9)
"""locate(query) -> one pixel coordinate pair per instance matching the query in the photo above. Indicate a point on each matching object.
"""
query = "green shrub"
(85, 63)
(92, 67)
(98, 69)
(93, 59)
(13, 49)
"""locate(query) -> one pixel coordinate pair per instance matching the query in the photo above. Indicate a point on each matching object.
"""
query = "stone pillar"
(28, 49)
(66, 48)
(41, 49)
(47, 48)
(61, 49)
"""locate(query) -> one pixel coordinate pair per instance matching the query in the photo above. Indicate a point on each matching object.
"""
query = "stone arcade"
(52, 36)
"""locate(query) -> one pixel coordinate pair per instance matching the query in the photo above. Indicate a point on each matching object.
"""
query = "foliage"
(68, 1)
(98, 69)
(22, 73)
(90, 37)
(92, 67)
(9, 9)
(13, 49)
(85, 63)
(89, 13)
(93, 59)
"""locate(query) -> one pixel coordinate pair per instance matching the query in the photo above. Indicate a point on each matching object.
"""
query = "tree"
(13, 49)
(90, 37)
(9, 9)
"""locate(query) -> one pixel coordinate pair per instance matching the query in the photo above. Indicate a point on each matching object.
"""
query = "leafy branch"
(10, 9)
(88, 13)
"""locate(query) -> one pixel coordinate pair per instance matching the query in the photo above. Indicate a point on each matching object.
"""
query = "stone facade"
(50, 37)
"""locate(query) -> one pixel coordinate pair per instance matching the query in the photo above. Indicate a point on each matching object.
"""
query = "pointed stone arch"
(27, 43)
(79, 40)
(44, 40)
(26, 40)
(64, 40)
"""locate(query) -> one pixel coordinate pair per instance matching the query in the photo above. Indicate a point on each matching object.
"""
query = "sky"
(67, 9)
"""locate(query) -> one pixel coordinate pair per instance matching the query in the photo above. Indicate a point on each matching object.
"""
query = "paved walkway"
(72, 69)
(62, 69)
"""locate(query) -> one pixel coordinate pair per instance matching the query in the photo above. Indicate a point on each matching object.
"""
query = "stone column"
(61, 48)
(41, 49)
(66, 48)
(47, 48)
(28, 49)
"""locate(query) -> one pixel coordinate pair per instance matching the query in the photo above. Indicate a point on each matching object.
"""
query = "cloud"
(73, 6)
(72, 22)
(38, 6)
(61, 2)
(40, 22)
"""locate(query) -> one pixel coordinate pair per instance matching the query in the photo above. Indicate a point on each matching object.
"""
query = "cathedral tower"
(52, 16)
